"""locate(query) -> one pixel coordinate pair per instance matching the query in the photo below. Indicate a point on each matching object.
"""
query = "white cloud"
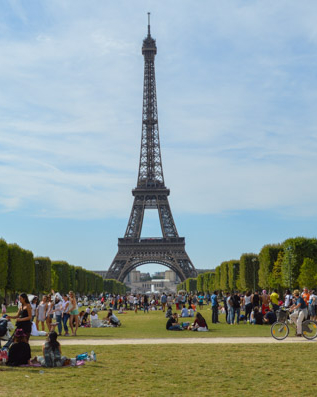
(236, 95)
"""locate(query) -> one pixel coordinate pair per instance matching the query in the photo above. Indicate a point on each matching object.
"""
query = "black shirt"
(256, 300)
(19, 354)
(271, 317)
(170, 322)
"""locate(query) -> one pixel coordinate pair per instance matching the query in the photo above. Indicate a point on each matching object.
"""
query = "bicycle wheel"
(309, 329)
(279, 330)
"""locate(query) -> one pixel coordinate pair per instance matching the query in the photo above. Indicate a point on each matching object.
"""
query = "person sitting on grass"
(199, 324)
(270, 317)
(190, 311)
(256, 317)
(80, 317)
(172, 323)
(169, 312)
(184, 312)
(52, 353)
(19, 352)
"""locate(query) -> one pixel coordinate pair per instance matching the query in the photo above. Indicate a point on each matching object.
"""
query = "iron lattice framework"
(150, 193)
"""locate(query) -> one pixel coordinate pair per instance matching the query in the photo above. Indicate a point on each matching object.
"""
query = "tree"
(3, 264)
(200, 282)
(28, 276)
(217, 278)
(267, 258)
(61, 276)
(15, 268)
(249, 266)
(275, 278)
(43, 275)
(233, 274)
(308, 274)
(191, 284)
(295, 251)
(224, 285)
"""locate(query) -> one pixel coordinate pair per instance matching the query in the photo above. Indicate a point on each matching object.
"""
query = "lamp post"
(254, 261)
(289, 250)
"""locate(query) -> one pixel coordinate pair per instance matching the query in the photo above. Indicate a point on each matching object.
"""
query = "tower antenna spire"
(148, 24)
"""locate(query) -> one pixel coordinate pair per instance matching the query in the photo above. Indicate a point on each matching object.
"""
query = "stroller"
(5, 327)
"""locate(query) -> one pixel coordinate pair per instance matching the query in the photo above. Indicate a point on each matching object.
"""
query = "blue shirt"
(302, 302)
(214, 301)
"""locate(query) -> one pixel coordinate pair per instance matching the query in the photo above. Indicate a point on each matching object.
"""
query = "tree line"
(291, 264)
(21, 271)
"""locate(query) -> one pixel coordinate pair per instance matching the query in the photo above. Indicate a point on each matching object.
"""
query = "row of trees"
(20, 271)
(292, 264)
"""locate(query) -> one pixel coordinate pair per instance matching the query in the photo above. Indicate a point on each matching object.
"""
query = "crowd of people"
(63, 312)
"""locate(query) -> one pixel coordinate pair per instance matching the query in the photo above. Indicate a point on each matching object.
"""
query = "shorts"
(74, 312)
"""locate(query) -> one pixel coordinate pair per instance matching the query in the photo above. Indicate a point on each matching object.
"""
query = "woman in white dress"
(41, 312)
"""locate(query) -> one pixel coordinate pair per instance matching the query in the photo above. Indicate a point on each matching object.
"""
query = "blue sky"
(237, 90)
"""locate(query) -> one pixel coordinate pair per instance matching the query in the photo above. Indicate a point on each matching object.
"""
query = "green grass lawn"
(152, 325)
(173, 370)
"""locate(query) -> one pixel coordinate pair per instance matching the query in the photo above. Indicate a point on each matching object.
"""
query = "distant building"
(167, 283)
(101, 273)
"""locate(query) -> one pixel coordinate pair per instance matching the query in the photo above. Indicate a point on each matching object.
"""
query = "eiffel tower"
(150, 193)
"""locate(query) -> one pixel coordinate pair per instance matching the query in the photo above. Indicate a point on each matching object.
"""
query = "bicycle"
(280, 329)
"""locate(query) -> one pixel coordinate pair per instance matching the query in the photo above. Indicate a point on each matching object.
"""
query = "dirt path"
(165, 341)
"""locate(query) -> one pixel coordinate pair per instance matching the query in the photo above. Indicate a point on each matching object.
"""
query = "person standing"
(73, 311)
(305, 295)
(65, 313)
(176, 300)
(214, 307)
(247, 306)
(34, 307)
(163, 301)
(4, 306)
(274, 300)
(201, 301)
(225, 305)
(41, 313)
(288, 299)
(255, 299)
(236, 307)
(49, 312)
(24, 316)
(145, 303)
(265, 302)
(230, 308)
(58, 314)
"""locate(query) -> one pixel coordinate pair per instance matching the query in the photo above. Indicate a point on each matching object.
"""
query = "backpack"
(3, 327)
